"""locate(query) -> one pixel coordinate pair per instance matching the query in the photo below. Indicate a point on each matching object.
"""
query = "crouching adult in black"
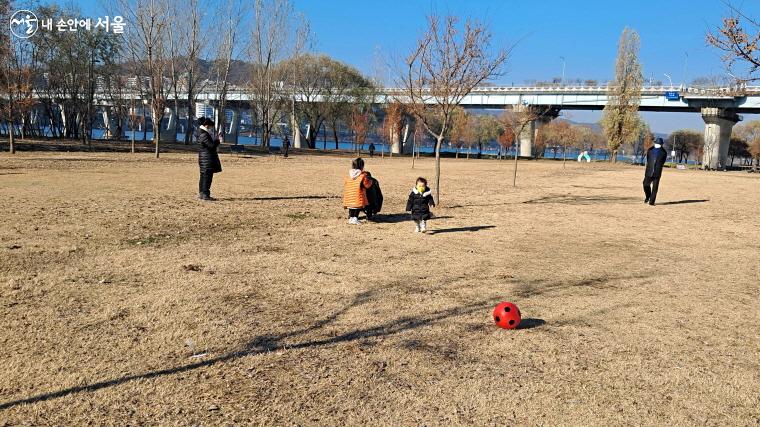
(656, 157)
(208, 158)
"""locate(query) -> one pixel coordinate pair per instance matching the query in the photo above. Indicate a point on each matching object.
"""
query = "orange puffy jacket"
(355, 190)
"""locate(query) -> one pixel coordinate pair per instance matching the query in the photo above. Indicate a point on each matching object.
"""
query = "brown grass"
(124, 300)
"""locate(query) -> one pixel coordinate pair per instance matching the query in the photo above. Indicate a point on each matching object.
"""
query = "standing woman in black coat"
(656, 157)
(208, 158)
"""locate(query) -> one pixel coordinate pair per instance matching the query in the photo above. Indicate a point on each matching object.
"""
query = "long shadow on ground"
(269, 343)
(400, 217)
(574, 199)
(462, 229)
(683, 202)
(248, 199)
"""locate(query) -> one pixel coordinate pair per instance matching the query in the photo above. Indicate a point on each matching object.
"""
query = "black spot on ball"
(496, 318)
(511, 322)
(506, 309)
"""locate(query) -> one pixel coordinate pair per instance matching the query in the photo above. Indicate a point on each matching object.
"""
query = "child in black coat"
(419, 203)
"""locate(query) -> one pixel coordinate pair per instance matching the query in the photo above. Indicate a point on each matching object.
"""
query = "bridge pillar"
(407, 135)
(114, 125)
(531, 131)
(718, 125)
(218, 118)
(395, 140)
(62, 117)
(527, 137)
(296, 131)
(233, 130)
(168, 126)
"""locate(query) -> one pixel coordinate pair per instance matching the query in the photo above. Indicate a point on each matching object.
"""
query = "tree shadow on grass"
(268, 343)
(528, 289)
(477, 205)
(574, 199)
(683, 202)
(461, 229)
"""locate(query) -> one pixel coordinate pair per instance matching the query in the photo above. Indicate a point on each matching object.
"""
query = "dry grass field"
(124, 300)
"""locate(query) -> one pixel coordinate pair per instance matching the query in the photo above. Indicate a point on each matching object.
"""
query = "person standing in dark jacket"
(208, 158)
(419, 203)
(286, 145)
(655, 158)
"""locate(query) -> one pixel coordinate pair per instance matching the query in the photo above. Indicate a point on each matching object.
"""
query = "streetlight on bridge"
(562, 81)
(669, 79)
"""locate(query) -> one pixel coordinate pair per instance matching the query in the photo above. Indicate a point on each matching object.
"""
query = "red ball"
(506, 315)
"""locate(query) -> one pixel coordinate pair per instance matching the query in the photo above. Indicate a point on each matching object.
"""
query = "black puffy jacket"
(208, 158)
(419, 204)
(655, 162)
(374, 198)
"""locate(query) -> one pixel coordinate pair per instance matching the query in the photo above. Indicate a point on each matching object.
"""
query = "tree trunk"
(514, 177)
(414, 148)
(266, 135)
(157, 128)
(12, 148)
(613, 156)
(564, 156)
(190, 114)
(438, 143)
(145, 124)
(335, 135)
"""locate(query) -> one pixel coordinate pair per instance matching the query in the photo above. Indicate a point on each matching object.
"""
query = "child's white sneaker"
(354, 221)
(416, 228)
(423, 226)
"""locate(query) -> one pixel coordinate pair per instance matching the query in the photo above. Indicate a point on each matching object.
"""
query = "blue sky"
(585, 33)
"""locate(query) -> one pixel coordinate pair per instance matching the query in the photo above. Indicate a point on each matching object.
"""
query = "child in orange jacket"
(355, 187)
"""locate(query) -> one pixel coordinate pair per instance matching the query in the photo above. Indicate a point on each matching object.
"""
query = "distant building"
(204, 110)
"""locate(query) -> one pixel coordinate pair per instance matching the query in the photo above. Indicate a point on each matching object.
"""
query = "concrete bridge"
(719, 108)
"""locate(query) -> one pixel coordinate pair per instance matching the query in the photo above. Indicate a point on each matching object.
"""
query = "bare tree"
(146, 43)
(346, 86)
(229, 42)
(516, 120)
(460, 133)
(17, 72)
(278, 34)
(685, 142)
(750, 133)
(620, 120)
(447, 63)
(190, 28)
(360, 124)
(563, 133)
(486, 129)
(392, 123)
(739, 39)
(326, 87)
